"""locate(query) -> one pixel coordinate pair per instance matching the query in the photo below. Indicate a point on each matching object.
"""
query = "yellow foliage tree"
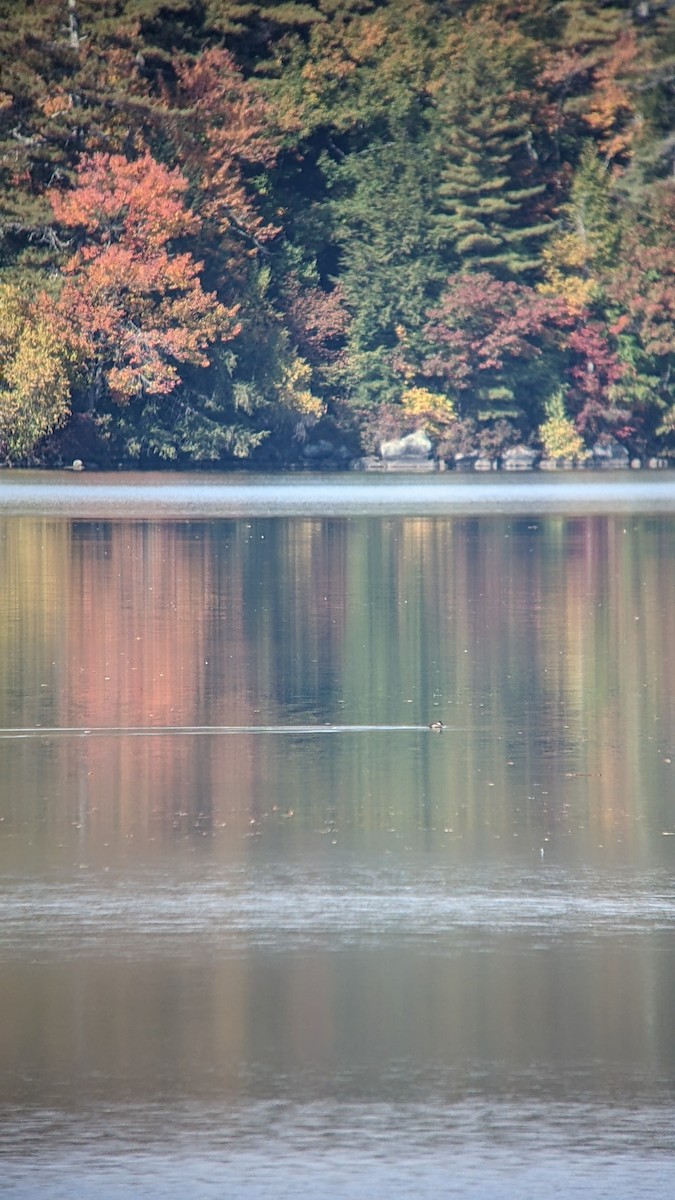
(431, 410)
(558, 434)
(568, 267)
(576, 258)
(294, 391)
(34, 383)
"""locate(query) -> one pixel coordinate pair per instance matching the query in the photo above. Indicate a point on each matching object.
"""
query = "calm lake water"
(264, 934)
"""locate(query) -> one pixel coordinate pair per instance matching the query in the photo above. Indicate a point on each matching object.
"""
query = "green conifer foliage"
(590, 30)
(489, 194)
(353, 73)
(585, 243)
(381, 208)
(342, 159)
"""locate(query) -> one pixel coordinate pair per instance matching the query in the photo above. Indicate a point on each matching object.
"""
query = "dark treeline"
(240, 232)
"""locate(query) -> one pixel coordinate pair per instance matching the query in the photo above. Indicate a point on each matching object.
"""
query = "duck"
(437, 726)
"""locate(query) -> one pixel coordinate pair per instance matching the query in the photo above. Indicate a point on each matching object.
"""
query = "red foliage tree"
(500, 345)
(594, 371)
(485, 327)
(317, 321)
(135, 305)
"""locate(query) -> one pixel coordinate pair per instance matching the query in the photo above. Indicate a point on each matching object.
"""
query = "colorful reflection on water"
(264, 929)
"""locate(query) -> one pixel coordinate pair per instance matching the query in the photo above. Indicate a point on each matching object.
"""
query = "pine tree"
(489, 196)
(380, 209)
(74, 81)
(355, 72)
(353, 95)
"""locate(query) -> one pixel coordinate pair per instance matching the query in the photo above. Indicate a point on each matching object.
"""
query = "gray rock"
(519, 458)
(369, 462)
(413, 446)
(418, 465)
(557, 464)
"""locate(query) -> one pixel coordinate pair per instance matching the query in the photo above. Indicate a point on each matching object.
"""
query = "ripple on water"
(152, 916)
(473, 1149)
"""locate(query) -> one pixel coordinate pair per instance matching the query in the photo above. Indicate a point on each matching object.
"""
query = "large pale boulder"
(414, 445)
(519, 458)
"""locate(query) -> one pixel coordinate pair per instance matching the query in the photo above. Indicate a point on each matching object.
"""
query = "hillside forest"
(259, 233)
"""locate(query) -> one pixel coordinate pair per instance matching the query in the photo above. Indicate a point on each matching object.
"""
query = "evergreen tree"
(355, 73)
(381, 207)
(489, 201)
(357, 91)
(339, 158)
(584, 40)
(577, 258)
(72, 83)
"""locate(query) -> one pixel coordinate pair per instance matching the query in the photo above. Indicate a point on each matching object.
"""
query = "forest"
(272, 234)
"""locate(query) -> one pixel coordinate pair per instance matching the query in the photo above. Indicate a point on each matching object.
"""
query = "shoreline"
(193, 495)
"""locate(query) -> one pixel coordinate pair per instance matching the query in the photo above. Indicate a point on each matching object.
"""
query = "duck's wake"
(85, 731)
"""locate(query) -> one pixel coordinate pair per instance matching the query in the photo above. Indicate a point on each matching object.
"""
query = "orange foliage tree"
(220, 126)
(133, 301)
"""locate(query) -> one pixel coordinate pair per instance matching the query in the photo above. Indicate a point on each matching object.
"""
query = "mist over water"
(265, 933)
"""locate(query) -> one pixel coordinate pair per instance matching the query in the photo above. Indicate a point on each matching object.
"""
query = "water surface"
(173, 495)
(264, 933)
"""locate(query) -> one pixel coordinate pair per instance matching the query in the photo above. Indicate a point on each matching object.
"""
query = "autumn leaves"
(132, 304)
(227, 230)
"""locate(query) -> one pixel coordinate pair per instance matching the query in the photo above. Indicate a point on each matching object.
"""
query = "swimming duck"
(437, 726)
